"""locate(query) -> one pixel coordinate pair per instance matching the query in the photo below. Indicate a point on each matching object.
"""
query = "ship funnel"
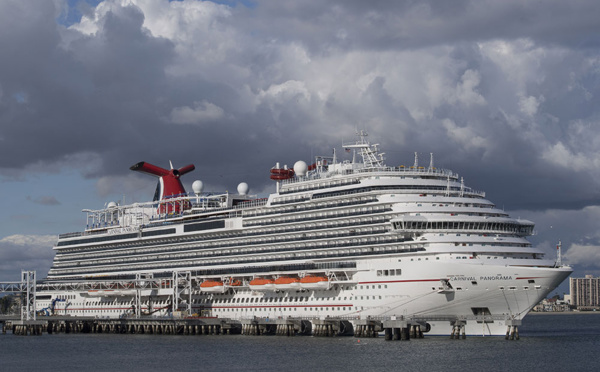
(169, 185)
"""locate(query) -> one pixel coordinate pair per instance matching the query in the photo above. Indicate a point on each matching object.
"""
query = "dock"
(392, 328)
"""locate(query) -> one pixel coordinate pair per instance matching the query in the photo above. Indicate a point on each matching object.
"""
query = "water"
(548, 343)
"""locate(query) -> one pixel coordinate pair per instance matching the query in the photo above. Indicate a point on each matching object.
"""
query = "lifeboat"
(212, 286)
(287, 283)
(262, 284)
(279, 174)
(314, 282)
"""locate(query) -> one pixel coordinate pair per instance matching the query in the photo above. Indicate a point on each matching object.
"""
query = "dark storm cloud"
(87, 98)
(44, 200)
(502, 92)
(418, 24)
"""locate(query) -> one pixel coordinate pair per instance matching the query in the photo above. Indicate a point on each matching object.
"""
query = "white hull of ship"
(435, 291)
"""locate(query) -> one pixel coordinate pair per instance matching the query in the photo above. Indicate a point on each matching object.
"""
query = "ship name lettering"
(498, 277)
(465, 278)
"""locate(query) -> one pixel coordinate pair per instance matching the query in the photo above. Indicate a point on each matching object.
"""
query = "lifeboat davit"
(99, 293)
(110, 292)
(287, 283)
(262, 284)
(314, 282)
(279, 174)
(212, 286)
(234, 283)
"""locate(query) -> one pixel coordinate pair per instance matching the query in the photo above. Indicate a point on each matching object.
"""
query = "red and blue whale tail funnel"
(169, 184)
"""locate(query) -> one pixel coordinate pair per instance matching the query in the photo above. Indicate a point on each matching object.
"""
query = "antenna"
(416, 160)
(430, 160)
(558, 254)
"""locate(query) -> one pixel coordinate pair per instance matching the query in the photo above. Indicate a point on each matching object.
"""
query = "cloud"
(529, 105)
(200, 113)
(26, 252)
(44, 200)
(583, 255)
(465, 90)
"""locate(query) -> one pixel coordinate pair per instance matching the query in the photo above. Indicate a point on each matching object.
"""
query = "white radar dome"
(197, 186)
(243, 188)
(111, 205)
(300, 168)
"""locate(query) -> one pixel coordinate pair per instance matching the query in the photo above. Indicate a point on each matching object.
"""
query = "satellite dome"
(197, 186)
(243, 188)
(111, 205)
(300, 168)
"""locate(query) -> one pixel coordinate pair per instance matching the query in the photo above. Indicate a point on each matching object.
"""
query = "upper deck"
(325, 178)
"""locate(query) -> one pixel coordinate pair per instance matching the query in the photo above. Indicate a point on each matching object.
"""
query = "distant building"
(585, 292)
(551, 305)
(567, 299)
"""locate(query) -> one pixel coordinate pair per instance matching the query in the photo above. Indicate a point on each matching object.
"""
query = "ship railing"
(70, 235)
(404, 170)
(252, 203)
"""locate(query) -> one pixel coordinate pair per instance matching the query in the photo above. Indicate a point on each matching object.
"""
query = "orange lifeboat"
(212, 286)
(314, 282)
(262, 284)
(287, 283)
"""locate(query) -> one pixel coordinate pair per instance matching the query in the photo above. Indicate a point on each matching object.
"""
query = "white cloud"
(201, 112)
(529, 105)
(290, 89)
(465, 137)
(583, 255)
(580, 160)
(25, 252)
(465, 90)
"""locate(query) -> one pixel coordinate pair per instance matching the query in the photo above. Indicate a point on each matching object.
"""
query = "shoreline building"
(585, 292)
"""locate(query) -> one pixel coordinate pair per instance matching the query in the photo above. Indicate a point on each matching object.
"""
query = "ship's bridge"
(491, 225)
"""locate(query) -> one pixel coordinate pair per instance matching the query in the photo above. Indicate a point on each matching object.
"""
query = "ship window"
(531, 281)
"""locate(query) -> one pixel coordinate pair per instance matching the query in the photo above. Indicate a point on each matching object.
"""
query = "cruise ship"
(347, 239)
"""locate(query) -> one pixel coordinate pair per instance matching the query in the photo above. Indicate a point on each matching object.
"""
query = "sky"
(506, 93)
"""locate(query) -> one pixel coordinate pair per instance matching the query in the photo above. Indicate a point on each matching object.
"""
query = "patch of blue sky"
(26, 214)
(233, 3)
(73, 10)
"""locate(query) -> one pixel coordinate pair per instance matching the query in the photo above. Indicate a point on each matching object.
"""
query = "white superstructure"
(340, 239)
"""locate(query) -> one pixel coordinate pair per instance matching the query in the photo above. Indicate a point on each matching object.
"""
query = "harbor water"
(548, 342)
